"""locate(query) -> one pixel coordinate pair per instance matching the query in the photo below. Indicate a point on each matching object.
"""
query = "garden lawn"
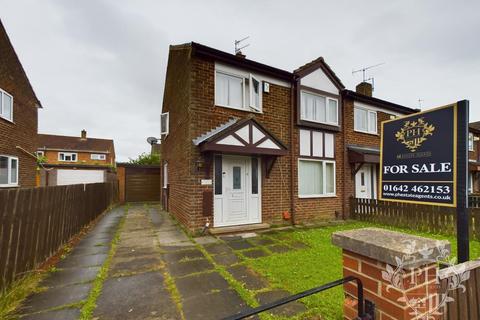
(300, 270)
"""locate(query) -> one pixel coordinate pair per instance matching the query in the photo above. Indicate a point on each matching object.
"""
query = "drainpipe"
(345, 155)
(293, 106)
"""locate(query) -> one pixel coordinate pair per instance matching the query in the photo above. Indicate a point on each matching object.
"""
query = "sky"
(100, 65)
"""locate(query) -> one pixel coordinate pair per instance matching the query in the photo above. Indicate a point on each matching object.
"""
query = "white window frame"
(471, 139)
(325, 194)
(71, 154)
(247, 102)
(9, 172)
(369, 111)
(98, 156)
(470, 182)
(2, 103)
(40, 153)
(165, 131)
(327, 103)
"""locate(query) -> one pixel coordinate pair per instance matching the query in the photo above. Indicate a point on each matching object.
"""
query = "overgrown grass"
(301, 270)
(12, 297)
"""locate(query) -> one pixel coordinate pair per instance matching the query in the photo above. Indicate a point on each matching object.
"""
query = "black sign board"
(424, 160)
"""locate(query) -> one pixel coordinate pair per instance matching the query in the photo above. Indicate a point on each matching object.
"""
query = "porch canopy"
(245, 136)
(242, 137)
(359, 154)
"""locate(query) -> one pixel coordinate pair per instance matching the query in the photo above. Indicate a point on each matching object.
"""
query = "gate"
(366, 309)
(139, 183)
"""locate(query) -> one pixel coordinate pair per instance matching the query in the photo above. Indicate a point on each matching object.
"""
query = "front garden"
(321, 263)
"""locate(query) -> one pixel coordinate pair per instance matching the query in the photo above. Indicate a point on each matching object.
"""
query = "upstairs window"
(8, 171)
(67, 157)
(6, 105)
(238, 91)
(96, 156)
(470, 142)
(318, 108)
(164, 123)
(365, 120)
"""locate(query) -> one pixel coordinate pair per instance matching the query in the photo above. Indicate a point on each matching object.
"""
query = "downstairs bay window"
(8, 171)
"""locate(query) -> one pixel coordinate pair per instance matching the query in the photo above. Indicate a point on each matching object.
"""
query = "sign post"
(424, 160)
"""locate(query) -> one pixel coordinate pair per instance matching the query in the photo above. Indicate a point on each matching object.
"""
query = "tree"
(146, 158)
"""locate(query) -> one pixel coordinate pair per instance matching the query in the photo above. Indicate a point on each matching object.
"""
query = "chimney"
(365, 88)
(83, 135)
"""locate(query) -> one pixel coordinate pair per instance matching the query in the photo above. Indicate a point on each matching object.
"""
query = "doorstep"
(239, 228)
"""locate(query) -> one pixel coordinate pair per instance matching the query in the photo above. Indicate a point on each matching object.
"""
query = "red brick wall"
(195, 115)
(353, 137)
(23, 131)
(275, 118)
(176, 147)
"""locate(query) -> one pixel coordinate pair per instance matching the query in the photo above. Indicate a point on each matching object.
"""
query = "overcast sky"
(100, 65)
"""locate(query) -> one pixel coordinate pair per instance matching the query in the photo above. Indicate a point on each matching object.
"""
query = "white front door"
(239, 202)
(365, 182)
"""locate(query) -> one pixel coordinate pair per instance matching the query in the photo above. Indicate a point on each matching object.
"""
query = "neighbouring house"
(246, 145)
(473, 157)
(18, 120)
(75, 160)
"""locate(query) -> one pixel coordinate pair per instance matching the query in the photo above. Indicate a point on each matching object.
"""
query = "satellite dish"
(152, 140)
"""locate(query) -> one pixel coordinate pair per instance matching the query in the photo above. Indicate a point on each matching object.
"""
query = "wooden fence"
(466, 301)
(36, 222)
(424, 218)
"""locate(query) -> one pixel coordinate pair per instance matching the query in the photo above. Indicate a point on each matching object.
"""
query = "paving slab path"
(64, 291)
(156, 271)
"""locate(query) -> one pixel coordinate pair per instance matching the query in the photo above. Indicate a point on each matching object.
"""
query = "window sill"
(319, 122)
(239, 109)
(366, 132)
(315, 196)
(9, 186)
(7, 120)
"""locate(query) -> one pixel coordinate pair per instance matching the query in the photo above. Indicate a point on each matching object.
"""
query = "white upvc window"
(318, 108)
(316, 144)
(470, 142)
(243, 92)
(8, 171)
(6, 105)
(164, 123)
(98, 156)
(40, 153)
(316, 178)
(470, 182)
(365, 120)
(67, 156)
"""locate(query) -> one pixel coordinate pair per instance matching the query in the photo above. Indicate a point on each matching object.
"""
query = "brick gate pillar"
(398, 272)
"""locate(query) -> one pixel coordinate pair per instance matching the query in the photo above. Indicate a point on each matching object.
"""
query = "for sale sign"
(419, 157)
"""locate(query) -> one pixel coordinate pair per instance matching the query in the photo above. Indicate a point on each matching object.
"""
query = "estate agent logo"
(414, 133)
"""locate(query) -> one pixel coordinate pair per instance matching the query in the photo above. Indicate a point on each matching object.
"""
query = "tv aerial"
(364, 73)
(239, 46)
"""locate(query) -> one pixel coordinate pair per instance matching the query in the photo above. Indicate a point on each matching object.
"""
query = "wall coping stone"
(386, 246)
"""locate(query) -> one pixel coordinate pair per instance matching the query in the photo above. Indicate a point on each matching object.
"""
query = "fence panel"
(466, 300)
(422, 218)
(36, 222)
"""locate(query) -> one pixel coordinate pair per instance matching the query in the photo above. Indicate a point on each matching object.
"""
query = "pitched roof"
(378, 102)
(475, 125)
(316, 64)
(6, 40)
(68, 143)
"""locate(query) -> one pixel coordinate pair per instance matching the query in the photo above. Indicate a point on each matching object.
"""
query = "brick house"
(18, 120)
(72, 160)
(473, 158)
(246, 144)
